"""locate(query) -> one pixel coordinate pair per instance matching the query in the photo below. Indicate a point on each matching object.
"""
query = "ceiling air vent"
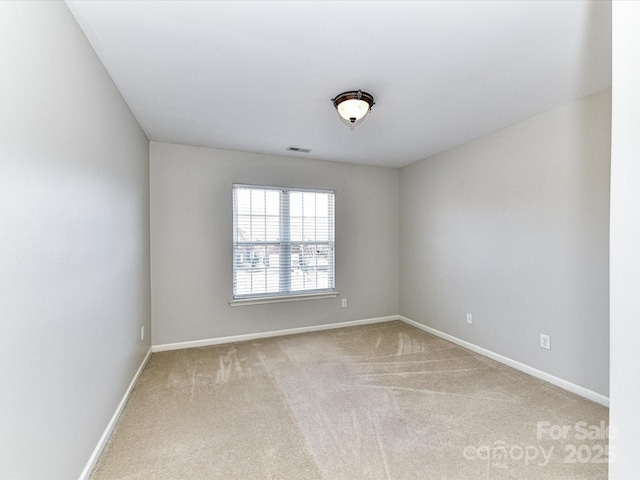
(298, 149)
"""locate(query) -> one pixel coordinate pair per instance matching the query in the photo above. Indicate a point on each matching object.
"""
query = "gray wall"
(625, 242)
(191, 242)
(74, 258)
(513, 228)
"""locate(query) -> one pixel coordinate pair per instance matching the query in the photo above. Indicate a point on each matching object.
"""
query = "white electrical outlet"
(469, 319)
(142, 334)
(344, 303)
(545, 341)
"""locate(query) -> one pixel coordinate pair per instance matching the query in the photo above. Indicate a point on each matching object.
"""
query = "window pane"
(309, 204)
(322, 229)
(258, 229)
(309, 229)
(243, 199)
(244, 228)
(257, 202)
(295, 202)
(273, 229)
(272, 206)
(296, 229)
(322, 205)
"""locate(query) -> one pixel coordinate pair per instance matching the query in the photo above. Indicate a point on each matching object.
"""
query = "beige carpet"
(384, 401)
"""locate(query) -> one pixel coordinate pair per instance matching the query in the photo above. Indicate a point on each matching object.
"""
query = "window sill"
(289, 298)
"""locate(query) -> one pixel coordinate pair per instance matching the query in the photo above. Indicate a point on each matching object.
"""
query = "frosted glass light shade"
(353, 110)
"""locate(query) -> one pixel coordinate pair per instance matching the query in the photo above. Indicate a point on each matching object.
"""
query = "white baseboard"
(275, 333)
(86, 473)
(559, 382)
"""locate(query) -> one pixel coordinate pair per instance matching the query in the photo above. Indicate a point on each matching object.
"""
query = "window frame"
(284, 244)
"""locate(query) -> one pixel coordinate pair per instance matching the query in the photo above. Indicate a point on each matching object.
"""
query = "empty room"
(319, 240)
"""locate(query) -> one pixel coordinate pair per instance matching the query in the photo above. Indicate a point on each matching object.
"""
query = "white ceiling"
(258, 76)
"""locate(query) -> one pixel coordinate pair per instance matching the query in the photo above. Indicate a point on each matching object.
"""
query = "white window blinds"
(283, 241)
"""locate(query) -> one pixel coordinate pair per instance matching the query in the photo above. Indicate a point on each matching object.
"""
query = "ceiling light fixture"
(353, 106)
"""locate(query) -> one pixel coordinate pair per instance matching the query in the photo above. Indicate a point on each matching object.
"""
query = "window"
(283, 243)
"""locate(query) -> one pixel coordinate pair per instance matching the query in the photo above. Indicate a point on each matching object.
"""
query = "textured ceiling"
(258, 76)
